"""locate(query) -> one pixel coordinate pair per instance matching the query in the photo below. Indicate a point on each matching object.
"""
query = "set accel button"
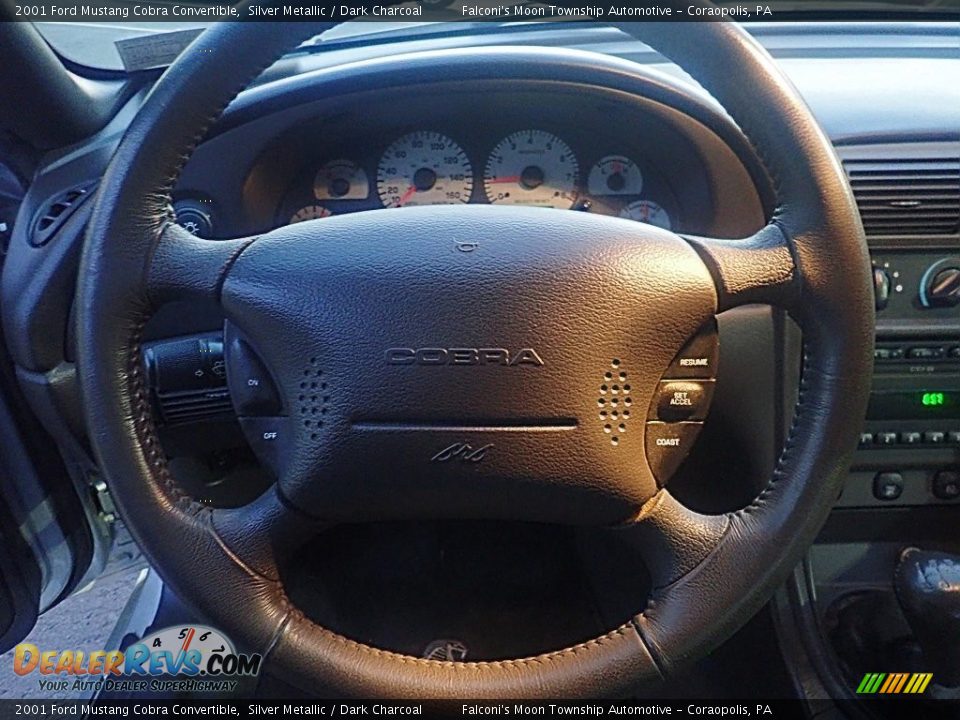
(683, 400)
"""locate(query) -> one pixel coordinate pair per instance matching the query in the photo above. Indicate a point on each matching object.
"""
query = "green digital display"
(926, 403)
(933, 399)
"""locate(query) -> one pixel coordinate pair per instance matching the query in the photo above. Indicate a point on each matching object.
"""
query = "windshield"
(94, 43)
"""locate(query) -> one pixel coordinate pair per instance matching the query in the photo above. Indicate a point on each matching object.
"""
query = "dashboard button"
(866, 439)
(881, 288)
(946, 485)
(267, 436)
(668, 445)
(954, 437)
(251, 386)
(934, 437)
(193, 219)
(888, 486)
(911, 438)
(888, 354)
(684, 400)
(926, 353)
(955, 353)
(886, 438)
(698, 359)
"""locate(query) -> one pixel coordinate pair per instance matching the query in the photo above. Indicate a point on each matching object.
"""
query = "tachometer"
(531, 167)
(615, 175)
(424, 168)
(649, 212)
(341, 180)
(310, 212)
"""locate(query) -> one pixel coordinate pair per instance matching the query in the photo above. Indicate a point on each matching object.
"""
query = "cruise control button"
(267, 437)
(684, 400)
(888, 486)
(698, 359)
(251, 386)
(668, 445)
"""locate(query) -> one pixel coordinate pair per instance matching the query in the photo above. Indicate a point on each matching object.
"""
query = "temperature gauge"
(649, 212)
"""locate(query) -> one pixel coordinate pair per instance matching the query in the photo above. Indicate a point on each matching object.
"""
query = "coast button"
(668, 445)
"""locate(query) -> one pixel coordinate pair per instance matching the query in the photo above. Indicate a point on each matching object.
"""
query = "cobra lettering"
(462, 356)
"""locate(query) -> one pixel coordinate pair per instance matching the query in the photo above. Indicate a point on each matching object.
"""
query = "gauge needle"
(407, 195)
(511, 179)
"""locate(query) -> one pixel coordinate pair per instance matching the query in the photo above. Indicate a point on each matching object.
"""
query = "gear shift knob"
(928, 588)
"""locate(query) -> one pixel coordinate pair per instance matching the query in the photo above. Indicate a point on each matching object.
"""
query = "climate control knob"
(941, 284)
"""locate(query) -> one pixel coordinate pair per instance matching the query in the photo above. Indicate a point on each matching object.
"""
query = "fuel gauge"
(615, 175)
(341, 180)
(310, 212)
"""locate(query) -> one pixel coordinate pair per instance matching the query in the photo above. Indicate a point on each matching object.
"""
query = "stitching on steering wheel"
(790, 443)
(145, 427)
(298, 616)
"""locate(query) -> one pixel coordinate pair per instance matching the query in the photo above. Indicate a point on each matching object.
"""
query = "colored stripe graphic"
(891, 680)
(894, 683)
(870, 683)
(923, 679)
(903, 681)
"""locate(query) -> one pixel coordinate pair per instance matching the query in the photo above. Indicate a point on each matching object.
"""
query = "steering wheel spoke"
(262, 535)
(186, 267)
(757, 269)
(673, 539)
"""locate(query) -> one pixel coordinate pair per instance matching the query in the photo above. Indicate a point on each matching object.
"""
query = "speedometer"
(531, 167)
(424, 168)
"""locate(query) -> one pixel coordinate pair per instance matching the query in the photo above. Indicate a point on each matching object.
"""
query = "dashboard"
(529, 166)
(553, 145)
(546, 164)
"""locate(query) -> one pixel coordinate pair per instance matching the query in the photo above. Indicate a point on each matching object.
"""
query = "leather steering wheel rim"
(712, 573)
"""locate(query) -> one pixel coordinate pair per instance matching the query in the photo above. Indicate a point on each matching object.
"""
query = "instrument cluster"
(531, 166)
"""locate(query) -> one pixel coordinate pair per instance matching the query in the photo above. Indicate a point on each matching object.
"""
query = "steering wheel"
(540, 307)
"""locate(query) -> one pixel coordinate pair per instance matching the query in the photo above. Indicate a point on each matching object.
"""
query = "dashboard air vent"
(56, 212)
(907, 197)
